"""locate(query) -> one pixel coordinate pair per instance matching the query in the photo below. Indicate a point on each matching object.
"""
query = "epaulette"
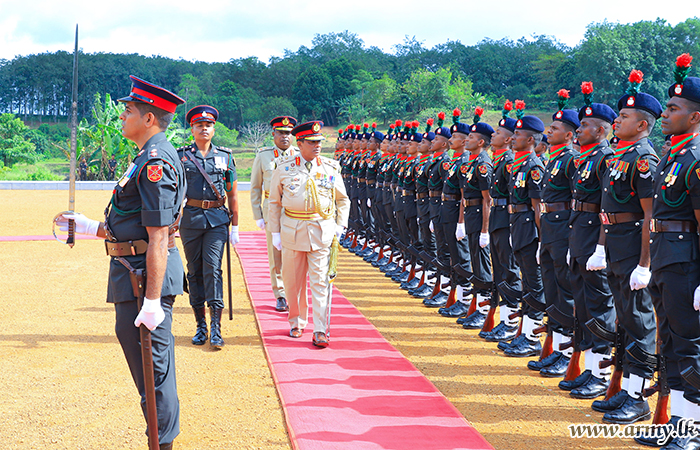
(266, 149)
(284, 159)
(224, 149)
(184, 147)
(330, 162)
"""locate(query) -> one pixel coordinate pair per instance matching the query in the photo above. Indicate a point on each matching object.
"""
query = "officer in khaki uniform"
(316, 207)
(263, 166)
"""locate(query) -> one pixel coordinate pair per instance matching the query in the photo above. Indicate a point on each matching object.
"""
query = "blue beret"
(443, 131)
(202, 113)
(642, 101)
(416, 137)
(378, 135)
(689, 90)
(429, 136)
(482, 128)
(460, 127)
(598, 111)
(567, 116)
(530, 123)
(366, 136)
(508, 123)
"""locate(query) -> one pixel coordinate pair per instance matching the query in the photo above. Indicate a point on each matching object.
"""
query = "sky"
(220, 30)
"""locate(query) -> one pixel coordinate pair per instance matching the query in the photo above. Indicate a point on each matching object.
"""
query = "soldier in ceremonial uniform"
(626, 209)
(506, 273)
(83, 169)
(675, 256)
(139, 227)
(554, 222)
(592, 297)
(263, 166)
(525, 193)
(211, 188)
(476, 201)
(308, 209)
(112, 164)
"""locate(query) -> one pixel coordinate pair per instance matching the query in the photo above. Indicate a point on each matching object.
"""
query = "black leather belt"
(672, 226)
(500, 201)
(206, 204)
(615, 218)
(451, 197)
(585, 207)
(552, 207)
(519, 208)
(473, 201)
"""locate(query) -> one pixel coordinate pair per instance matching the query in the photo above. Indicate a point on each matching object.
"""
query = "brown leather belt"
(615, 218)
(585, 207)
(512, 209)
(435, 193)
(672, 226)
(551, 207)
(420, 195)
(206, 204)
(346, 176)
(500, 201)
(450, 197)
(362, 180)
(371, 182)
(473, 201)
(408, 193)
(130, 248)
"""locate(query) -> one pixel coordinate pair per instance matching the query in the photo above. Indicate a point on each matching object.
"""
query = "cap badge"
(589, 111)
(519, 124)
(316, 128)
(502, 122)
(473, 127)
(205, 114)
(559, 114)
(285, 121)
(630, 101)
(679, 89)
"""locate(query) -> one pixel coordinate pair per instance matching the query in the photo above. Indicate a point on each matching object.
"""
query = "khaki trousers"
(274, 257)
(295, 267)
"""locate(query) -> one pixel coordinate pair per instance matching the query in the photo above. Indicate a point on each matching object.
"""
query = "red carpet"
(360, 393)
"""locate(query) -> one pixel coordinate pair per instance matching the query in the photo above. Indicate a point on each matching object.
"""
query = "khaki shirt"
(264, 164)
(289, 191)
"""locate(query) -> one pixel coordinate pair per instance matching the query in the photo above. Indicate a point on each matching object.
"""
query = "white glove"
(597, 259)
(83, 225)
(537, 255)
(432, 228)
(460, 233)
(151, 314)
(277, 241)
(339, 230)
(640, 278)
(233, 238)
(484, 239)
(568, 257)
(369, 203)
(260, 223)
(696, 299)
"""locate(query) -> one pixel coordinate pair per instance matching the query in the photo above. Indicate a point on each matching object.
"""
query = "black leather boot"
(200, 336)
(216, 339)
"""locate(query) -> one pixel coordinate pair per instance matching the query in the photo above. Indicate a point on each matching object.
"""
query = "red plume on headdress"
(340, 131)
(508, 106)
(684, 60)
(392, 126)
(519, 104)
(374, 124)
(430, 121)
(441, 115)
(563, 93)
(636, 76)
(357, 128)
(365, 125)
(587, 87)
(478, 111)
(456, 112)
(398, 122)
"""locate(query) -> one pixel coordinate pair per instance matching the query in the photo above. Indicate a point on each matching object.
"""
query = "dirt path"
(64, 383)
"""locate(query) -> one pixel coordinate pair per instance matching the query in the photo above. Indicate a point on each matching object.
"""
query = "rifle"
(568, 322)
(658, 363)
(615, 385)
(138, 284)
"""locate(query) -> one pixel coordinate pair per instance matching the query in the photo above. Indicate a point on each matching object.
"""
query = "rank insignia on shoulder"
(536, 175)
(483, 169)
(463, 169)
(643, 165)
(154, 173)
(153, 153)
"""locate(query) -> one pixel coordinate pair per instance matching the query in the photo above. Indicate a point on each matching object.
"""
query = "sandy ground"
(64, 383)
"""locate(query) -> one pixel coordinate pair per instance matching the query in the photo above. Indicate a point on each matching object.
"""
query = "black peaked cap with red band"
(145, 92)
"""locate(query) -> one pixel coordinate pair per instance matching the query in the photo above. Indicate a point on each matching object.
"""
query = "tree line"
(339, 79)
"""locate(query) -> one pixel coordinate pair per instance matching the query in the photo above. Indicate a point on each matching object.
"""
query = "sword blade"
(73, 142)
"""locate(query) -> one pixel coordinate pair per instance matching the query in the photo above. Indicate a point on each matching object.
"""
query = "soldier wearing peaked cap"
(592, 296)
(263, 166)
(554, 224)
(140, 224)
(308, 212)
(525, 195)
(626, 209)
(212, 202)
(675, 261)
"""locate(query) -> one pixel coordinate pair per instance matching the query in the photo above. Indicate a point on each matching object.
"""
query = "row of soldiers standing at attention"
(599, 238)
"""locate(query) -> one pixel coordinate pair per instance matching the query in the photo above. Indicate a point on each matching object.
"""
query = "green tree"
(14, 147)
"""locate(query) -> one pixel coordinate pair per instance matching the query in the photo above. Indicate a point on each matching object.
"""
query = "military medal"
(555, 169)
(673, 173)
(127, 175)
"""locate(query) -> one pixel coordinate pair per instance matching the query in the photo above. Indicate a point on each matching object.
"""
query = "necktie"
(308, 166)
